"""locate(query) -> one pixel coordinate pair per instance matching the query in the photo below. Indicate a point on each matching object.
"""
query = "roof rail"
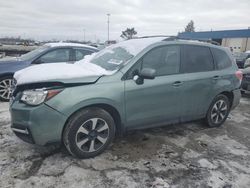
(193, 39)
(155, 36)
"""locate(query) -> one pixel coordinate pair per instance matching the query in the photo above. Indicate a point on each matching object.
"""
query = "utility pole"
(84, 35)
(108, 25)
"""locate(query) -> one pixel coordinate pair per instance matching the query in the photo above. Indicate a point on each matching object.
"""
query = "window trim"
(139, 61)
(182, 59)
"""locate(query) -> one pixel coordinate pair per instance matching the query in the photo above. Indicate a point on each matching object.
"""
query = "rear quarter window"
(221, 58)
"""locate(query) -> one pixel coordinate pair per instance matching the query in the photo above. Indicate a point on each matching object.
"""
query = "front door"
(157, 100)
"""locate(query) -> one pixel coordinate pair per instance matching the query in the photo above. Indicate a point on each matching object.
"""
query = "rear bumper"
(40, 125)
(236, 98)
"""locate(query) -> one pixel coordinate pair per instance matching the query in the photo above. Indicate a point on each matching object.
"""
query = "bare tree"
(129, 33)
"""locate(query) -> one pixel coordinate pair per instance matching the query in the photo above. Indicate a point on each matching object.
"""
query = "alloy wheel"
(92, 135)
(5, 88)
(219, 111)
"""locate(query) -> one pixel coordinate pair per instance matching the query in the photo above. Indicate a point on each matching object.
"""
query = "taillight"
(239, 75)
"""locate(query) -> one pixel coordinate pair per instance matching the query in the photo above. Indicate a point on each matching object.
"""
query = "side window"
(80, 53)
(58, 55)
(196, 59)
(221, 58)
(165, 60)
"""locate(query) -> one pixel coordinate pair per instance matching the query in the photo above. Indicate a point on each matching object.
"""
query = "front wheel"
(5, 88)
(89, 132)
(218, 111)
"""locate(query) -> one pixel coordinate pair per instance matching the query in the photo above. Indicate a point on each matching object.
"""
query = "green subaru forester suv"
(139, 83)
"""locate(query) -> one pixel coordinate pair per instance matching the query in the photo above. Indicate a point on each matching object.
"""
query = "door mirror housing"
(147, 73)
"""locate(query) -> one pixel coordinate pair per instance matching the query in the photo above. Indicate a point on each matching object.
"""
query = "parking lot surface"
(182, 155)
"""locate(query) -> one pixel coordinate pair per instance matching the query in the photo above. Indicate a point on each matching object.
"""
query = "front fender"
(97, 101)
(72, 99)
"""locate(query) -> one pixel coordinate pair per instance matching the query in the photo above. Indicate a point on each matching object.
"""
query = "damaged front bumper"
(40, 125)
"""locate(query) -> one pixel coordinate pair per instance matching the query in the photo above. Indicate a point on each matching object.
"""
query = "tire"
(5, 86)
(82, 139)
(218, 111)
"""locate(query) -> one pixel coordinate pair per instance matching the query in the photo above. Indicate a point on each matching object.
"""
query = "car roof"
(67, 44)
(136, 45)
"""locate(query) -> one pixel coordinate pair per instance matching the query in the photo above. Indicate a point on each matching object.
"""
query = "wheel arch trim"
(115, 111)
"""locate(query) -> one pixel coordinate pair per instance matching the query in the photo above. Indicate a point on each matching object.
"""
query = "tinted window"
(165, 60)
(81, 53)
(221, 58)
(196, 59)
(58, 55)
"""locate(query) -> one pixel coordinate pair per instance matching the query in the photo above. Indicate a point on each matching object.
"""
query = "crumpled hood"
(61, 72)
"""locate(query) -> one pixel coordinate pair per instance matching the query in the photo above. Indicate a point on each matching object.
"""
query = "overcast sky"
(67, 19)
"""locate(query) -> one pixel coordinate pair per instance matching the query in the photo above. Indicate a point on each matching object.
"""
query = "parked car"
(48, 53)
(140, 83)
(247, 63)
(245, 85)
(240, 58)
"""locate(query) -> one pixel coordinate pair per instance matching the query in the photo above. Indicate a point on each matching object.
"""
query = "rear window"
(196, 59)
(221, 58)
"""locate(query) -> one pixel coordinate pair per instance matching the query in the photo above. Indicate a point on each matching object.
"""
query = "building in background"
(236, 40)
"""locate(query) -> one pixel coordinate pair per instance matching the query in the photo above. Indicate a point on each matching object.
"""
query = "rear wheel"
(218, 111)
(89, 132)
(5, 88)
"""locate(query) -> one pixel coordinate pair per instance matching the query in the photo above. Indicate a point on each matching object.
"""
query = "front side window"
(165, 60)
(34, 53)
(58, 55)
(196, 59)
(221, 58)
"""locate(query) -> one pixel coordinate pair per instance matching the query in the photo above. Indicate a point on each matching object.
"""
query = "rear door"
(199, 79)
(157, 100)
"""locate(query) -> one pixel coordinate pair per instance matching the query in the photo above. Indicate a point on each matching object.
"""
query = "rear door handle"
(177, 83)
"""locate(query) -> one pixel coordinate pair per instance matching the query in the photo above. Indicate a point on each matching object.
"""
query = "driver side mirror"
(145, 73)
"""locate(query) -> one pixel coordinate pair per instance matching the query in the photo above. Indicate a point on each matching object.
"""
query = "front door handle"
(216, 77)
(177, 83)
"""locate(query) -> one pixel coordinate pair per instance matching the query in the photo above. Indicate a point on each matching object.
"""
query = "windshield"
(112, 58)
(33, 53)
